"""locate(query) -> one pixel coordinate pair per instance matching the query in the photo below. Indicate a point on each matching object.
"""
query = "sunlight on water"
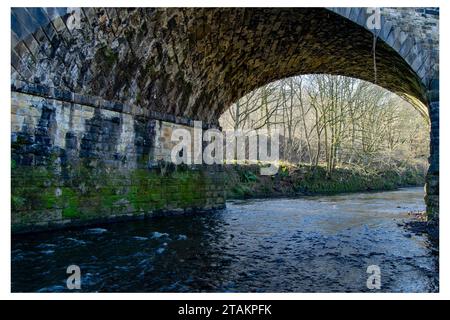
(312, 244)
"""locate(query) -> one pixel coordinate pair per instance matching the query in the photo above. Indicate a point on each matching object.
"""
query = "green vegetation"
(337, 134)
(335, 122)
(305, 180)
(92, 192)
(106, 58)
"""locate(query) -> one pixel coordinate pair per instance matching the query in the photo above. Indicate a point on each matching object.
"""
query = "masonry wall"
(432, 184)
(77, 164)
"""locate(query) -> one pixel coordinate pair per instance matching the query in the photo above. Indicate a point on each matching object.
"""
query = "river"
(308, 244)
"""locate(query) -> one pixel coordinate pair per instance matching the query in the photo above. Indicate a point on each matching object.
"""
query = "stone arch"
(194, 62)
(184, 64)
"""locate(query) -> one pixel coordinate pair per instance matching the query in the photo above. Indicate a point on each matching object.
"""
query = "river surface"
(308, 244)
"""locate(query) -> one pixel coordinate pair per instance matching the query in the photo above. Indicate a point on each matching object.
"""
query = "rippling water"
(311, 244)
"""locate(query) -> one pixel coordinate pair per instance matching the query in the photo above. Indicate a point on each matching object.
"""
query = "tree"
(334, 120)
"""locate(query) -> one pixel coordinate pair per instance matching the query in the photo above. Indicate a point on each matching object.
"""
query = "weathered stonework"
(94, 93)
(432, 185)
(74, 164)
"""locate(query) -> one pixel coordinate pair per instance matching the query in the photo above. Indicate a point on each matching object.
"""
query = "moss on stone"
(82, 192)
(106, 58)
(71, 203)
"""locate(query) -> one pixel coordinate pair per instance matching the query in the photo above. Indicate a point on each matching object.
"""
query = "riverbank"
(419, 224)
(245, 181)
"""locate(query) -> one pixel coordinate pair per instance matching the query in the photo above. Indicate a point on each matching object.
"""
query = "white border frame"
(5, 222)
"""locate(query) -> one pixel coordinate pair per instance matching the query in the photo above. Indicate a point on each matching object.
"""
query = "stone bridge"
(96, 93)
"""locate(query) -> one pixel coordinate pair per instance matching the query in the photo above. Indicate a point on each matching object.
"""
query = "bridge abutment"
(432, 183)
(93, 161)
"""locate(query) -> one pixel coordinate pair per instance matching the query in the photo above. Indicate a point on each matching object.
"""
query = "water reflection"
(314, 244)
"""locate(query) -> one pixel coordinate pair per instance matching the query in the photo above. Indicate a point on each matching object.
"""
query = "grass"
(244, 181)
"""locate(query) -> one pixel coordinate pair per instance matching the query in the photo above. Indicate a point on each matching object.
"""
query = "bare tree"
(333, 120)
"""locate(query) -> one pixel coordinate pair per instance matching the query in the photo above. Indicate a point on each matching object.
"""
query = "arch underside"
(195, 62)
